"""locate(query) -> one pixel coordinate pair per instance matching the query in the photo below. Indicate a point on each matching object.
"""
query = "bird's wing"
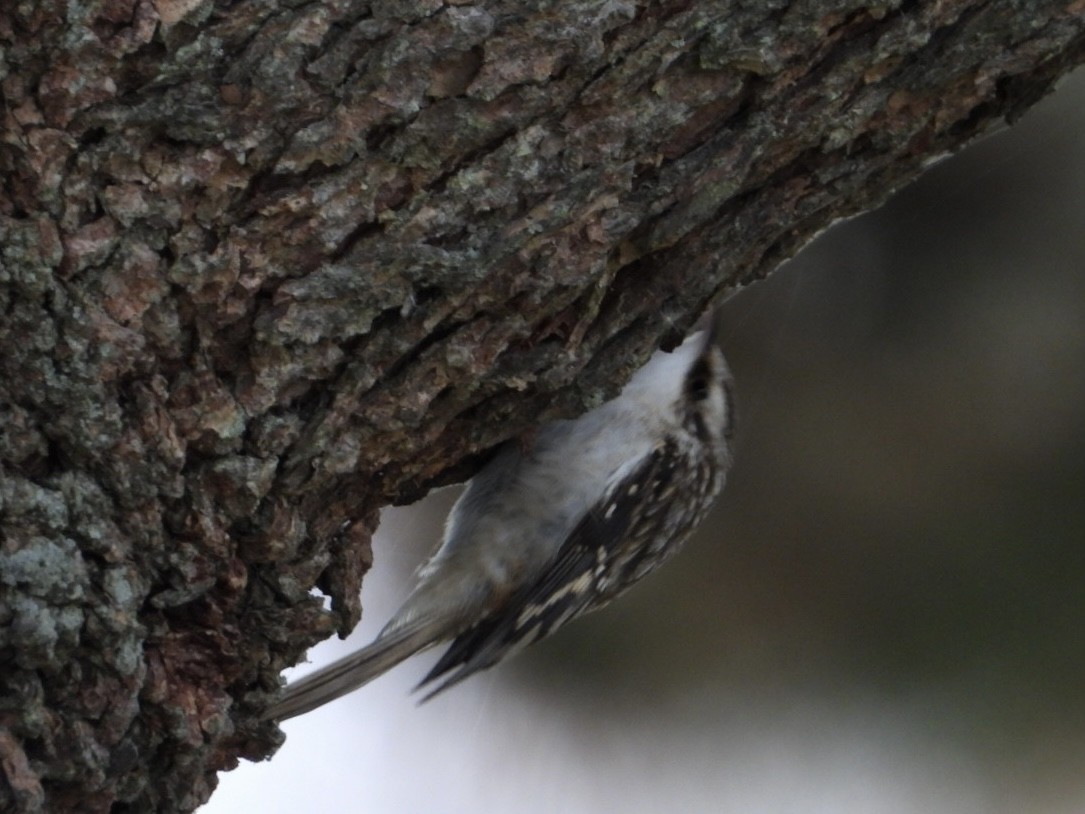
(616, 543)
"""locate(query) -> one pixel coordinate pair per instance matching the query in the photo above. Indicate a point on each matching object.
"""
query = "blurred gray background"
(884, 614)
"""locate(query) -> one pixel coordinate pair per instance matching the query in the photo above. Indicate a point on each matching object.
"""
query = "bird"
(561, 525)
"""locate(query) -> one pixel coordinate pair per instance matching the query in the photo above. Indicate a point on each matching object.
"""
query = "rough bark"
(266, 267)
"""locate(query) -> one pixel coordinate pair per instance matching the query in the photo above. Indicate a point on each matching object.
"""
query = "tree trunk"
(267, 268)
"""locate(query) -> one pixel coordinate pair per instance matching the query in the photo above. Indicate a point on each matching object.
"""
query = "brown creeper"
(544, 534)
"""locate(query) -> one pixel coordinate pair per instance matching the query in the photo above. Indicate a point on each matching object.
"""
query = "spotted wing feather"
(632, 531)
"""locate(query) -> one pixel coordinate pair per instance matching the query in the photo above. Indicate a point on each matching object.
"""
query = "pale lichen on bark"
(265, 268)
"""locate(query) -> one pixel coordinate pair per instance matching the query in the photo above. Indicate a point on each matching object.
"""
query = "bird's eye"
(698, 388)
(697, 382)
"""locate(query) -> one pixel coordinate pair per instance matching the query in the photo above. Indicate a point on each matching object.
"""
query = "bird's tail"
(357, 669)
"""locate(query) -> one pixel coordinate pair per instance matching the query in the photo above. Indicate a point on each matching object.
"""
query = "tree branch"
(266, 269)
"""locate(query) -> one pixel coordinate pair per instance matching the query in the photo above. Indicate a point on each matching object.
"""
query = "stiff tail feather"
(357, 669)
